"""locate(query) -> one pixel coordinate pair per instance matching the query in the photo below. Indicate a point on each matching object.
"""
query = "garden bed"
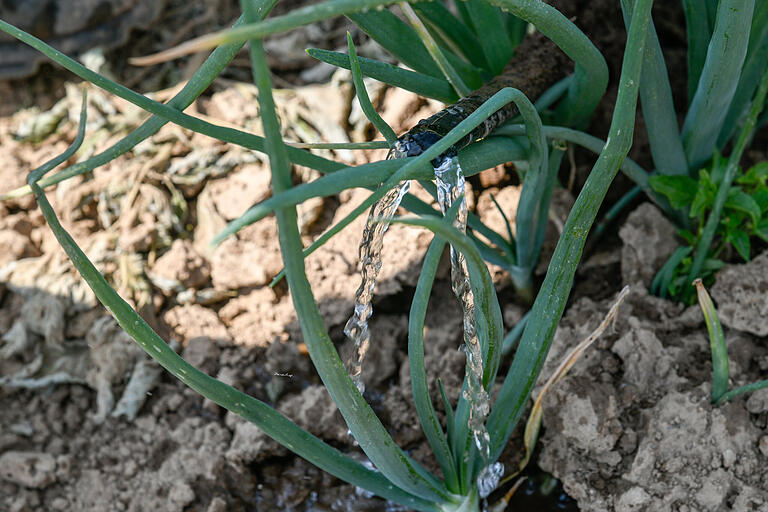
(630, 428)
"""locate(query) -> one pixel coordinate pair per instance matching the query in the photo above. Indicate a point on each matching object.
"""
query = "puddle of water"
(541, 492)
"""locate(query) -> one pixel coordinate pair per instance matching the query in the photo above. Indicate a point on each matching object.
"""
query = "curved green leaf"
(419, 83)
(551, 299)
(716, 342)
(591, 75)
(362, 96)
(421, 398)
(199, 81)
(454, 30)
(437, 54)
(362, 421)
(270, 421)
(719, 79)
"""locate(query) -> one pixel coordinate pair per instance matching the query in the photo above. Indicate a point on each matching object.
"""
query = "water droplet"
(489, 478)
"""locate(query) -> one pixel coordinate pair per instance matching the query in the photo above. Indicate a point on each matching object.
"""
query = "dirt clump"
(741, 293)
(632, 427)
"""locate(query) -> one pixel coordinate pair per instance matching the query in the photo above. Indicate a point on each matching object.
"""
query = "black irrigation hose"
(535, 66)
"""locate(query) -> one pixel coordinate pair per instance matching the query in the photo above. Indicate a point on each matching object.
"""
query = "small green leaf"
(680, 190)
(740, 241)
(705, 195)
(760, 195)
(756, 175)
(712, 265)
(687, 236)
(740, 201)
(424, 85)
(732, 220)
(761, 229)
(661, 284)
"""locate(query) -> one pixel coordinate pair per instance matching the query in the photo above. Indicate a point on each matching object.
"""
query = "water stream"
(371, 245)
(449, 178)
(450, 186)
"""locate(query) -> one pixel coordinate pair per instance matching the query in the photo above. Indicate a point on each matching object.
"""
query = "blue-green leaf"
(454, 30)
(362, 96)
(719, 79)
(488, 21)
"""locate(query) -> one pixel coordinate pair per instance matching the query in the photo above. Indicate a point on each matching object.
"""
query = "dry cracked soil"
(88, 422)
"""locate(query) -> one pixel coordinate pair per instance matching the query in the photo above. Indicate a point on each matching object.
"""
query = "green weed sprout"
(720, 374)
(397, 477)
(734, 213)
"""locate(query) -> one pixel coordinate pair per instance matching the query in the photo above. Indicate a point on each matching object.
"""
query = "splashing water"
(371, 245)
(449, 178)
(450, 186)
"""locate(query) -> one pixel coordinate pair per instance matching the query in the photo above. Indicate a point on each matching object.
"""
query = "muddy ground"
(87, 422)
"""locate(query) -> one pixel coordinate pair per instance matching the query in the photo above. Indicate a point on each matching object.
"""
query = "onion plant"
(448, 51)
(727, 76)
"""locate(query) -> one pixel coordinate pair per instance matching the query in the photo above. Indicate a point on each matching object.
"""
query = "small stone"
(175, 401)
(242, 264)
(763, 445)
(495, 176)
(59, 504)
(729, 457)
(44, 314)
(758, 401)
(130, 468)
(15, 246)
(29, 469)
(181, 495)
(217, 505)
(202, 353)
(63, 467)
